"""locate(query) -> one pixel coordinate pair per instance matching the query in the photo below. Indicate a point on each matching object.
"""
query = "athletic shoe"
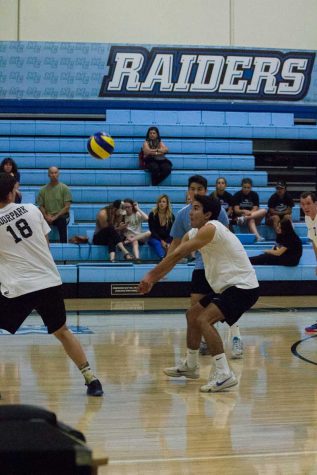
(312, 328)
(182, 370)
(219, 382)
(237, 348)
(241, 220)
(260, 239)
(94, 388)
(203, 348)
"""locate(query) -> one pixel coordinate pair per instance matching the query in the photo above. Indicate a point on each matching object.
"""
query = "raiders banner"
(207, 73)
(99, 72)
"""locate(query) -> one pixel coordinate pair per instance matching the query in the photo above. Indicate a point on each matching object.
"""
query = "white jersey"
(26, 263)
(312, 228)
(225, 260)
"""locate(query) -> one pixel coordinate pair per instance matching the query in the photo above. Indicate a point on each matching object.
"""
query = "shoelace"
(237, 344)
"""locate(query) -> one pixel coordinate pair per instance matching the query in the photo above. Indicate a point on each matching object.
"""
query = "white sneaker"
(237, 348)
(241, 220)
(182, 370)
(219, 382)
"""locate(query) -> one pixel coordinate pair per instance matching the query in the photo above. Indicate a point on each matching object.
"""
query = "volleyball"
(100, 145)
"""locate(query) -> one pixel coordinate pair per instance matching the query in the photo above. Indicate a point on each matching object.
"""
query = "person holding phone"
(133, 220)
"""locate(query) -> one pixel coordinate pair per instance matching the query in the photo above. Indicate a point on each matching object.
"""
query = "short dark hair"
(306, 194)
(7, 183)
(246, 181)
(201, 180)
(116, 204)
(209, 204)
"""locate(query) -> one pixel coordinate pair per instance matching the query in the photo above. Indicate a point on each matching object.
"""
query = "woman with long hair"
(108, 226)
(287, 251)
(8, 165)
(225, 198)
(154, 151)
(133, 233)
(161, 219)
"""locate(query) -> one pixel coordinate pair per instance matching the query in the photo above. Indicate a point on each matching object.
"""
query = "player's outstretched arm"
(203, 237)
(315, 251)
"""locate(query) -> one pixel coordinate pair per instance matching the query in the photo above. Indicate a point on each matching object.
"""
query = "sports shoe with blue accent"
(312, 328)
(237, 348)
(219, 382)
(94, 388)
(182, 370)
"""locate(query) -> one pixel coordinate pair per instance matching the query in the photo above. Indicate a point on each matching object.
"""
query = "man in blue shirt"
(197, 184)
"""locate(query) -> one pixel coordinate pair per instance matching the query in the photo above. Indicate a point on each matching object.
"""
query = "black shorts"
(199, 284)
(233, 302)
(49, 303)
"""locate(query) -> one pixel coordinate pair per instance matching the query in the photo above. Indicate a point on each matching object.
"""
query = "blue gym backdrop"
(91, 77)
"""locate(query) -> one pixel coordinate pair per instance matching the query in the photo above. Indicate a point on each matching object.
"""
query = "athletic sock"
(235, 331)
(192, 358)
(87, 373)
(221, 363)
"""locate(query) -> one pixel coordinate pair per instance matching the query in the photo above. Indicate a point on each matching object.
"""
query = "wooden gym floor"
(148, 424)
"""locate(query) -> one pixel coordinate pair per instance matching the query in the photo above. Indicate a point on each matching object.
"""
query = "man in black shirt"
(280, 206)
(246, 208)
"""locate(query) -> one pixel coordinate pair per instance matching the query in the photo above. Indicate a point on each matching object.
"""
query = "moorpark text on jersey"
(16, 213)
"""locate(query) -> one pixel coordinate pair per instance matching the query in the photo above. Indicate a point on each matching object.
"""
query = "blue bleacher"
(123, 145)
(211, 143)
(136, 177)
(171, 123)
(100, 194)
(88, 212)
(125, 162)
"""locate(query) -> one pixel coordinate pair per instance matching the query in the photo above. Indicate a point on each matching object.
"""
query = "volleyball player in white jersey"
(308, 204)
(197, 184)
(228, 272)
(29, 278)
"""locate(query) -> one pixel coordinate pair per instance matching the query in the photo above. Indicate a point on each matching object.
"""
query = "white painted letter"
(296, 79)
(264, 70)
(202, 83)
(187, 61)
(161, 72)
(128, 65)
(229, 83)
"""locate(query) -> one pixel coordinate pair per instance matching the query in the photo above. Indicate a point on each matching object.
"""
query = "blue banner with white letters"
(96, 71)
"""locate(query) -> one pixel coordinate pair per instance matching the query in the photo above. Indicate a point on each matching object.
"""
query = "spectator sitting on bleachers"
(287, 251)
(133, 232)
(280, 206)
(108, 226)
(225, 198)
(161, 219)
(154, 151)
(8, 165)
(246, 208)
(54, 200)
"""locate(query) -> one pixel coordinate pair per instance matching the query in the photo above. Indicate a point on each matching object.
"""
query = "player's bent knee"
(211, 315)
(61, 332)
(190, 316)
